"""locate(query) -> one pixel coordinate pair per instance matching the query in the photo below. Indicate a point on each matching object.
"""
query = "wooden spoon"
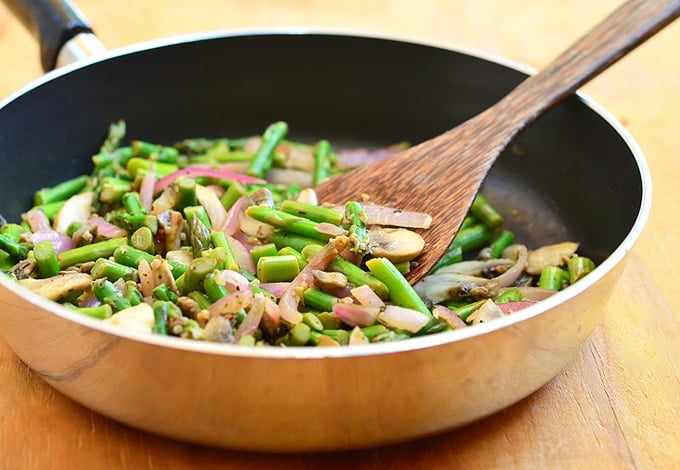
(442, 175)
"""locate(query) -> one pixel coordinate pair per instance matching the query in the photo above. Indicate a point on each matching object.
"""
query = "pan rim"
(424, 342)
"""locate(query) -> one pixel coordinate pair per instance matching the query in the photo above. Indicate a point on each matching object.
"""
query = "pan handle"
(55, 24)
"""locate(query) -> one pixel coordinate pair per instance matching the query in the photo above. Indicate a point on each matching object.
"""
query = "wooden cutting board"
(616, 406)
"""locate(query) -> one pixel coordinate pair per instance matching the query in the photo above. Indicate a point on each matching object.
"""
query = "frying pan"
(575, 174)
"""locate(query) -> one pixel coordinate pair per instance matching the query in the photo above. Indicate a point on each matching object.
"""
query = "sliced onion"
(37, 220)
(194, 171)
(231, 223)
(520, 255)
(106, 229)
(242, 255)
(212, 205)
(275, 288)
(146, 188)
(367, 296)
(240, 297)
(252, 319)
(59, 241)
(146, 281)
(356, 157)
(288, 305)
(510, 307)
(401, 318)
(535, 293)
(449, 316)
(356, 315)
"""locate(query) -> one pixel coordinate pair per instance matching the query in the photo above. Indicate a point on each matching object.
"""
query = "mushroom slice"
(439, 287)
(76, 209)
(486, 312)
(56, 287)
(550, 255)
(395, 244)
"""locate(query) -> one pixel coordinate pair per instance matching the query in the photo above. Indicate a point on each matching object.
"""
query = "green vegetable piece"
(287, 222)
(200, 298)
(297, 242)
(374, 330)
(258, 251)
(472, 238)
(277, 268)
(106, 292)
(91, 252)
(138, 167)
(287, 250)
(329, 320)
(232, 194)
(299, 335)
(319, 300)
(578, 267)
(213, 290)
(46, 259)
(51, 209)
(6, 261)
(400, 291)
(219, 240)
(511, 294)
(322, 163)
(485, 212)
(109, 269)
(61, 191)
(358, 235)
(503, 241)
(454, 254)
(143, 239)
(551, 278)
(15, 249)
(13, 231)
(264, 157)
(163, 292)
(130, 256)
(134, 295)
(198, 212)
(102, 312)
(198, 269)
(133, 203)
(312, 212)
(312, 321)
(161, 312)
(114, 137)
(186, 193)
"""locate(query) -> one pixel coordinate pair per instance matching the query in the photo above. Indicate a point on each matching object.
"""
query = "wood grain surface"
(616, 406)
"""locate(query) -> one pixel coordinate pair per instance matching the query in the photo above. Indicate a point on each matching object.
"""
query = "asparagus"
(14, 248)
(277, 268)
(271, 138)
(90, 252)
(358, 234)
(109, 269)
(312, 212)
(61, 191)
(319, 300)
(287, 222)
(106, 292)
(322, 165)
(46, 259)
(485, 212)
(400, 291)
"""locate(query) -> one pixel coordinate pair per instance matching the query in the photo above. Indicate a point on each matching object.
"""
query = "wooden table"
(615, 406)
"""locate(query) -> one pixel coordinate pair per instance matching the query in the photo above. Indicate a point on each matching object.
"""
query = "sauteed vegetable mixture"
(224, 240)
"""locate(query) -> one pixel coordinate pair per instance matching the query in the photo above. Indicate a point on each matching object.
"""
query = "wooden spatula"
(442, 175)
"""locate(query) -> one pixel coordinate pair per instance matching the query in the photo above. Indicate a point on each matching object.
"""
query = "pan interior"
(569, 176)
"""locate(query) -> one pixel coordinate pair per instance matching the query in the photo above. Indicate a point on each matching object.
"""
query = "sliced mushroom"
(57, 287)
(550, 255)
(173, 229)
(395, 244)
(76, 209)
(439, 287)
(329, 280)
(138, 318)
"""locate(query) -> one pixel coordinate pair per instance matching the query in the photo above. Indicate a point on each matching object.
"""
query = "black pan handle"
(52, 22)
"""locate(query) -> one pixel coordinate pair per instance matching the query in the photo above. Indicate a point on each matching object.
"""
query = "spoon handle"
(624, 29)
